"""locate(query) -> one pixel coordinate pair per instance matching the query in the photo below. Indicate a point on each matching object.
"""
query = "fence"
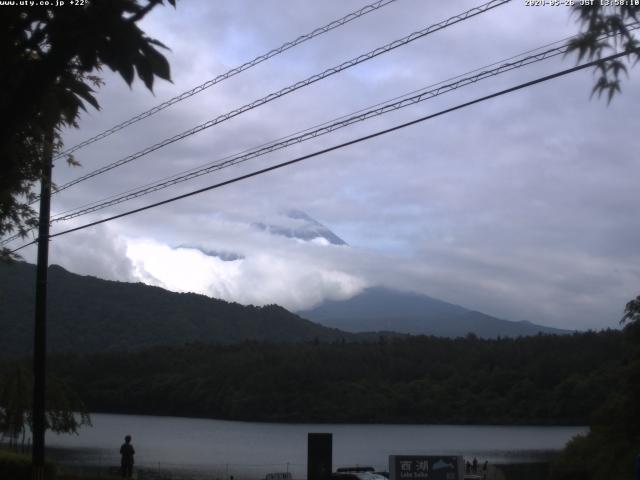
(175, 471)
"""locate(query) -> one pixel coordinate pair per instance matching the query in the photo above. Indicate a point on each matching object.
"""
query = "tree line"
(539, 380)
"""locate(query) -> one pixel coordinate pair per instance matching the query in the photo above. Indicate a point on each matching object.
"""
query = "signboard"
(426, 467)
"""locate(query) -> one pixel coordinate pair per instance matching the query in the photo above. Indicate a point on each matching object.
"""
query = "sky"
(523, 207)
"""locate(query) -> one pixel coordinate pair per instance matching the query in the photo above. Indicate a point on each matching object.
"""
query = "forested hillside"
(530, 380)
(87, 314)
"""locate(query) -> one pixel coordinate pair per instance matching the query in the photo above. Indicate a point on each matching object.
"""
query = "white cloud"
(273, 269)
(99, 252)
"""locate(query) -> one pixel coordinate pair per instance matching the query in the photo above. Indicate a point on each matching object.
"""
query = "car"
(358, 473)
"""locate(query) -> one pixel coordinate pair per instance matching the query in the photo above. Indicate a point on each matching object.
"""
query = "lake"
(249, 450)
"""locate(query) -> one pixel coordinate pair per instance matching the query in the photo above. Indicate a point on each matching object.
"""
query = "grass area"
(17, 466)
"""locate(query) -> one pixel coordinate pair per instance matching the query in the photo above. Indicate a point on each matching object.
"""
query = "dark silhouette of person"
(126, 457)
(485, 469)
(468, 467)
(475, 465)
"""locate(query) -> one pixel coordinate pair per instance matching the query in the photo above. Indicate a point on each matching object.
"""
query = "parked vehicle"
(358, 473)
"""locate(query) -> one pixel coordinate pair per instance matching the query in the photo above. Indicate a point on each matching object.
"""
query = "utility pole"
(40, 330)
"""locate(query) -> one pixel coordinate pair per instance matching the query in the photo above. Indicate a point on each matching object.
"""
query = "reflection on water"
(249, 450)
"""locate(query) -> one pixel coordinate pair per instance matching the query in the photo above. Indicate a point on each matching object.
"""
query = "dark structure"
(319, 456)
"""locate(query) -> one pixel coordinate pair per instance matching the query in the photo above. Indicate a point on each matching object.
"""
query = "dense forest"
(529, 380)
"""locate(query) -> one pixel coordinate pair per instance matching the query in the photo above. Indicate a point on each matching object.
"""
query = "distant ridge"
(87, 314)
(383, 309)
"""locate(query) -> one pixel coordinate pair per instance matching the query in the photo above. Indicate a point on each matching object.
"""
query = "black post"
(40, 330)
(319, 456)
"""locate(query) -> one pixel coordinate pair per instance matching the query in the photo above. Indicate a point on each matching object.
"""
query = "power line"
(4, 241)
(463, 16)
(323, 128)
(287, 140)
(234, 71)
(345, 144)
(308, 135)
(291, 88)
(326, 127)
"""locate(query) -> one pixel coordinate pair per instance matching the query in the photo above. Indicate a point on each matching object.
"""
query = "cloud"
(569, 289)
(99, 252)
(293, 273)
(523, 207)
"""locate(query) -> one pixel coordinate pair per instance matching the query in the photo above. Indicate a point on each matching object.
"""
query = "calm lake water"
(249, 450)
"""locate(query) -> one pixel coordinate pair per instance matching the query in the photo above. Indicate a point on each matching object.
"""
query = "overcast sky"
(524, 207)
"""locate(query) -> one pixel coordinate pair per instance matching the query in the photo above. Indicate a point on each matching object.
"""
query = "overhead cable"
(291, 88)
(533, 55)
(513, 62)
(312, 132)
(234, 71)
(345, 144)
(308, 135)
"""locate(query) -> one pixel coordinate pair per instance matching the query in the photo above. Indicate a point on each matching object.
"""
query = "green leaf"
(145, 72)
(159, 63)
(85, 92)
(127, 72)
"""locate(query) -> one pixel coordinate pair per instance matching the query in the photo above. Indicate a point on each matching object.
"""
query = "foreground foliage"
(65, 411)
(612, 447)
(605, 29)
(49, 58)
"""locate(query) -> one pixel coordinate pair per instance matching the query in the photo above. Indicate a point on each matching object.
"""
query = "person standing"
(126, 457)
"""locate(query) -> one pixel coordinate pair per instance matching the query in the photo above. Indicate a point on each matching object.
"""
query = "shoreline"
(531, 469)
(346, 422)
(496, 471)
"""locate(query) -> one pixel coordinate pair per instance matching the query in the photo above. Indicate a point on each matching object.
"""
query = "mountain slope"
(382, 309)
(87, 314)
